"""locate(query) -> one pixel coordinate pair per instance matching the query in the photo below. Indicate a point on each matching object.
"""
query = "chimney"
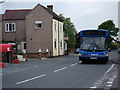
(50, 7)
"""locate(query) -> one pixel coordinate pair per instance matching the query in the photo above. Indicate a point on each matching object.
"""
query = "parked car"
(77, 51)
(118, 50)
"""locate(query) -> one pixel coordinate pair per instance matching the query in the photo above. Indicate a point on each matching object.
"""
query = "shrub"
(20, 53)
(112, 46)
(15, 57)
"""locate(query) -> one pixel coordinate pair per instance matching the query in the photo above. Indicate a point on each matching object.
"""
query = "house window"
(10, 27)
(55, 44)
(38, 24)
(24, 46)
(65, 45)
(60, 27)
(55, 26)
(61, 43)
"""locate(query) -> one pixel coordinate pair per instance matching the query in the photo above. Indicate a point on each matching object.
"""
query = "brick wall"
(37, 55)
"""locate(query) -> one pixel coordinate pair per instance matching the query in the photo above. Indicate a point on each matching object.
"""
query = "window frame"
(60, 27)
(7, 27)
(55, 26)
(61, 44)
(38, 22)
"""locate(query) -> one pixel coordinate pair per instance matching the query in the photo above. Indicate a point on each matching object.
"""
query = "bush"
(20, 53)
(15, 57)
(112, 46)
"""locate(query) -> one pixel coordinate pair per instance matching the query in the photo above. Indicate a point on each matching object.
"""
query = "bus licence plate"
(93, 57)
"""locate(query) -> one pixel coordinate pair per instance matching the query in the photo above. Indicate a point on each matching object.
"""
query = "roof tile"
(16, 14)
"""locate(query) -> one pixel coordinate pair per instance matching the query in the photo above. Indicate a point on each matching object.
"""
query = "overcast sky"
(83, 14)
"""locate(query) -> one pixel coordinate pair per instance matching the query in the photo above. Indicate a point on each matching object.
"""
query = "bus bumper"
(93, 58)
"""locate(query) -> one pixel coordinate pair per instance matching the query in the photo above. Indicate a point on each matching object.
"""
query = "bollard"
(2, 65)
(16, 61)
(47, 53)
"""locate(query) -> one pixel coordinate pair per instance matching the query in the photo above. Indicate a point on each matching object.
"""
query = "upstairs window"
(38, 24)
(55, 26)
(61, 27)
(10, 27)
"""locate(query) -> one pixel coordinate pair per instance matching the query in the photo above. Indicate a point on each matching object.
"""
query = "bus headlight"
(80, 54)
(106, 54)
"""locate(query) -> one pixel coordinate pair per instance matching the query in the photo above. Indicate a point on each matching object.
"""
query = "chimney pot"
(50, 7)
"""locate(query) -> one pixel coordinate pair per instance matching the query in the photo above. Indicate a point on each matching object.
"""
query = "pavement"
(114, 56)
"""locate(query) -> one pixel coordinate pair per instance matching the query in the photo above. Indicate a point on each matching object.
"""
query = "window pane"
(13, 27)
(55, 26)
(24, 45)
(55, 43)
(10, 27)
(38, 24)
(61, 44)
(7, 27)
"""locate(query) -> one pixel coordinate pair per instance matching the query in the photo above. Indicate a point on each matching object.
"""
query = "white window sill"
(10, 31)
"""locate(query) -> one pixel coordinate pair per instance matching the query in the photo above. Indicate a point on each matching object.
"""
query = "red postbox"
(5, 47)
(6, 51)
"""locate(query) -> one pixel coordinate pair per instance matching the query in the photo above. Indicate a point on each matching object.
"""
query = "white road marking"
(80, 62)
(108, 85)
(110, 68)
(60, 69)
(73, 64)
(99, 81)
(109, 82)
(31, 79)
(93, 87)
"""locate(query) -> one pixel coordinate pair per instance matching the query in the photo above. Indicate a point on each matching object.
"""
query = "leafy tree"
(70, 32)
(113, 31)
(110, 26)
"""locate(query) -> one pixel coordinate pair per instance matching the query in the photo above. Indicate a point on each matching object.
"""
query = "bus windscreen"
(92, 43)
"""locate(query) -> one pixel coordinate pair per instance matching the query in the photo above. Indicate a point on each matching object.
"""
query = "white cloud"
(90, 10)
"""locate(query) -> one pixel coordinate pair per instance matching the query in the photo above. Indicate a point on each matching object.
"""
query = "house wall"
(61, 38)
(58, 35)
(55, 37)
(41, 38)
(19, 34)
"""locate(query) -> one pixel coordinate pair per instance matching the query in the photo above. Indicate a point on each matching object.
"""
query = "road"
(59, 72)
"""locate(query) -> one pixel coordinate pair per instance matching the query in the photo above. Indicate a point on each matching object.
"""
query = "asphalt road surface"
(59, 72)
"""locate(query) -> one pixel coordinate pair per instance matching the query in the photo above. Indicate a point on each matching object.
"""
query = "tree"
(110, 26)
(113, 31)
(70, 32)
